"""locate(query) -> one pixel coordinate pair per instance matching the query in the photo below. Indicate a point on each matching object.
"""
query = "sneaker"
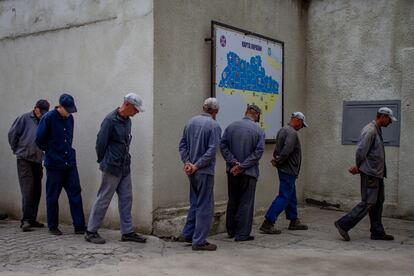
(248, 238)
(181, 238)
(25, 226)
(342, 232)
(3, 216)
(297, 225)
(268, 228)
(205, 247)
(55, 232)
(94, 237)
(383, 237)
(80, 230)
(36, 224)
(134, 237)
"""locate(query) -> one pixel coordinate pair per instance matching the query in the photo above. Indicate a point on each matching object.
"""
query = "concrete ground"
(318, 251)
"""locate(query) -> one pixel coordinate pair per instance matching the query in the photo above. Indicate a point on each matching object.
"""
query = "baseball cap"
(68, 103)
(387, 111)
(135, 100)
(300, 116)
(255, 108)
(211, 103)
(43, 106)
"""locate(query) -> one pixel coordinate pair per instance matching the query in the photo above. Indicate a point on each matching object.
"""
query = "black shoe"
(25, 226)
(267, 227)
(94, 237)
(181, 238)
(297, 225)
(80, 230)
(342, 232)
(3, 216)
(36, 224)
(230, 235)
(249, 238)
(384, 237)
(205, 247)
(55, 232)
(134, 237)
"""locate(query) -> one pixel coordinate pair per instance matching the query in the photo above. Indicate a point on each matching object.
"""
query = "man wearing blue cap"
(55, 136)
(287, 158)
(370, 164)
(112, 149)
(22, 135)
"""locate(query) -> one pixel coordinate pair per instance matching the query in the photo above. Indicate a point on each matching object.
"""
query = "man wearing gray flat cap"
(287, 157)
(112, 149)
(242, 146)
(370, 164)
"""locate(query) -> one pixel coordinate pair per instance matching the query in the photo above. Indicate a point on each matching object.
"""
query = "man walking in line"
(112, 149)
(55, 136)
(22, 136)
(370, 164)
(287, 158)
(197, 148)
(242, 146)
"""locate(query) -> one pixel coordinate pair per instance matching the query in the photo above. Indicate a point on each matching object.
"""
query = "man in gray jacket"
(112, 149)
(22, 136)
(242, 146)
(370, 164)
(287, 158)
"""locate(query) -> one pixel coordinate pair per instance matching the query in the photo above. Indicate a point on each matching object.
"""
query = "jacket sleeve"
(224, 148)
(103, 138)
(183, 147)
(15, 133)
(254, 158)
(42, 133)
(213, 143)
(287, 148)
(364, 144)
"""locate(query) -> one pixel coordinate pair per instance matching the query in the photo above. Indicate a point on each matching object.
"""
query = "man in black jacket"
(22, 136)
(287, 158)
(112, 149)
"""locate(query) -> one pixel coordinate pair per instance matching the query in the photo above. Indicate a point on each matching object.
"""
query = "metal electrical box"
(356, 114)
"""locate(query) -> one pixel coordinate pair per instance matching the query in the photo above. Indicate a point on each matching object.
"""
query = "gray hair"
(211, 104)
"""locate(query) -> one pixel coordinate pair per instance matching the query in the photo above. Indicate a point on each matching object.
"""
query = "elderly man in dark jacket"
(287, 158)
(112, 149)
(22, 136)
(242, 146)
(370, 164)
(55, 136)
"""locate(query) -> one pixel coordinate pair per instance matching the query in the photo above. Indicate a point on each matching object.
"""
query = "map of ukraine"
(249, 79)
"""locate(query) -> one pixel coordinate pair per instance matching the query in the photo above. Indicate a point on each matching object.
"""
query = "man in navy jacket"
(55, 136)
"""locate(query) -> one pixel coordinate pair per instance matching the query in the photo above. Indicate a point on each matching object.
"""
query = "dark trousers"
(30, 179)
(240, 207)
(372, 200)
(201, 209)
(286, 199)
(69, 180)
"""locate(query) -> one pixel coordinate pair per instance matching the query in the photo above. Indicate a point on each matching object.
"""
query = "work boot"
(3, 216)
(383, 237)
(55, 232)
(342, 232)
(25, 226)
(94, 237)
(36, 224)
(297, 225)
(205, 247)
(269, 228)
(134, 237)
(181, 238)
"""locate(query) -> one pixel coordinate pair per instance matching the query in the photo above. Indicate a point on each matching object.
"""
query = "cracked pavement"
(318, 251)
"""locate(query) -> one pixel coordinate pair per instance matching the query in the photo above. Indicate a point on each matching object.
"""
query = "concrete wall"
(182, 81)
(356, 50)
(96, 50)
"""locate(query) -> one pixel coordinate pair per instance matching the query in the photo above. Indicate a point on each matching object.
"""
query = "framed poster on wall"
(247, 68)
